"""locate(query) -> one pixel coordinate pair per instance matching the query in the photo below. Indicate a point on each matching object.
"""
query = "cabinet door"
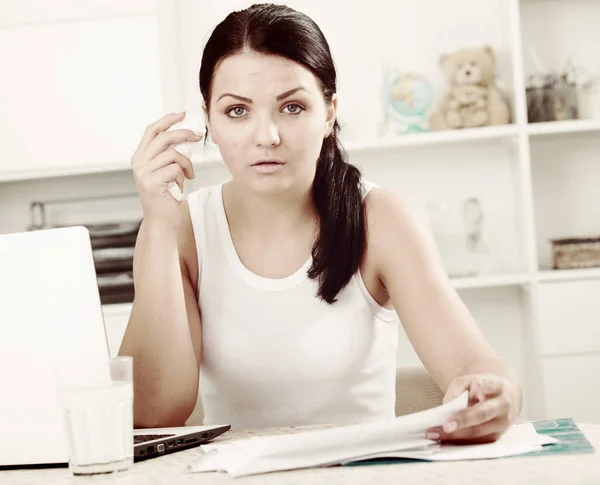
(569, 317)
(572, 387)
(116, 318)
(76, 93)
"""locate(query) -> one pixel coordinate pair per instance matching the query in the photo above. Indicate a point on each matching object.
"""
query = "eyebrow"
(278, 98)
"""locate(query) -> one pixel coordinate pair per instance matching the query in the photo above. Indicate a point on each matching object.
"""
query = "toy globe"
(407, 97)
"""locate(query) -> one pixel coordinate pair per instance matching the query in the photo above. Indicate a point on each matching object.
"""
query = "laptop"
(50, 311)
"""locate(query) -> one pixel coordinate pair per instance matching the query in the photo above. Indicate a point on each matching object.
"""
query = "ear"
(206, 120)
(443, 59)
(331, 115)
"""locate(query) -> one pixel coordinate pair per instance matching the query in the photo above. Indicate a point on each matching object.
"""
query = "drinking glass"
(97, 403)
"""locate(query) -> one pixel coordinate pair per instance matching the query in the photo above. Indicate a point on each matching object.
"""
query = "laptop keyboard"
(142, 438)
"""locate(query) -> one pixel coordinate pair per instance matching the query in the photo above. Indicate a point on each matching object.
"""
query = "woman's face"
(269, 118)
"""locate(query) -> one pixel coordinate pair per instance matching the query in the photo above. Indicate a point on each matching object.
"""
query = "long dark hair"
(337, 188)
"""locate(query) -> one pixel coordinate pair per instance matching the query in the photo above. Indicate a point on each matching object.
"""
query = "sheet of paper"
(518, 440)
(325, 447)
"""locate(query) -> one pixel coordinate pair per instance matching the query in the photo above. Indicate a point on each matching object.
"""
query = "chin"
(276, 184)
(270, 184)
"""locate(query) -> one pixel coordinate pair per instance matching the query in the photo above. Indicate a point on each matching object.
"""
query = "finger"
(168, 174)
(486, 386)
(456, 388)
(478, 414)
(482, 433)
(495, 426)
(168, 138)
(159, 126)
(179, 180)
(166, 158)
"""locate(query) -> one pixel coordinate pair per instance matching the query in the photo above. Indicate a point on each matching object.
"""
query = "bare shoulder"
(389, 215)
(187, 245)
(398, 237)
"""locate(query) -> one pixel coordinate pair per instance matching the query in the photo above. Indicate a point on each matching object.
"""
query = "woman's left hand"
(494, 405)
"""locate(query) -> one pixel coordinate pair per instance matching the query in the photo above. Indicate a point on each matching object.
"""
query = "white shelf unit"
(492, 281)
(569, 275)
(563, 127)
(211, 157)
(525, 172)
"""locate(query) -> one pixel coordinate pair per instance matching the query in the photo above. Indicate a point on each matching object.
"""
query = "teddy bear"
(473, 98)
(467, 107)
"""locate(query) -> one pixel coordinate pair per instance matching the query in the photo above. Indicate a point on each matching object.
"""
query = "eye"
(236, 112)
(294, 108)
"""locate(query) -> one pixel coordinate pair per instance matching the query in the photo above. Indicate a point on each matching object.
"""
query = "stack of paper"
(404, 437)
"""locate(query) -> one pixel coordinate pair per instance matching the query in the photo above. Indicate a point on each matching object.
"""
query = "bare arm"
(163, 335)
(442, 331)
(164, 332)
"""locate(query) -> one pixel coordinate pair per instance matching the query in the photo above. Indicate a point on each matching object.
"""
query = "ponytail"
(337, 195)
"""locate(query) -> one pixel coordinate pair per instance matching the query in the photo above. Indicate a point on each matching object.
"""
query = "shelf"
(213, 158)
(53, 172)
(408, 140)
(551, 276)
(432, 138)
(490, 281)
(563, 127)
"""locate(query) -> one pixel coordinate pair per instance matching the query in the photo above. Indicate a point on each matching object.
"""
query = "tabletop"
(547, 470)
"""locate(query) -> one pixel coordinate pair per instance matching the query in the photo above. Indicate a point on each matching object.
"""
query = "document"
(518, 440)
(403, 437)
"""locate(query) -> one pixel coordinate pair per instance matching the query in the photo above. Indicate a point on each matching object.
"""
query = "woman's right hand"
(155, 163)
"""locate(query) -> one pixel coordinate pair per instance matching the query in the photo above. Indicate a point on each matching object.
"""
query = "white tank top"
(273, 354)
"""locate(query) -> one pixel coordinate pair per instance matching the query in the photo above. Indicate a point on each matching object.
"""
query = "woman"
(283, 287)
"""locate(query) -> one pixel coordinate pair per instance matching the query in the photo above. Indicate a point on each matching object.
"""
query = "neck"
(270, 213)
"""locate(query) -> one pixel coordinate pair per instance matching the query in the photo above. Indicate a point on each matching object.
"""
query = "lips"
(268, 167)
(267, 162)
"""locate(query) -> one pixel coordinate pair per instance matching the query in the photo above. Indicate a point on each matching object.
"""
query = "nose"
(266, 133)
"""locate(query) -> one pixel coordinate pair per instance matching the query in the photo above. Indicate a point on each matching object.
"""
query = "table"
(171, 469)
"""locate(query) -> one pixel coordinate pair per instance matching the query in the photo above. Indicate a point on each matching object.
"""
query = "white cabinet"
(572, 387)
(569, 331)
(115, 324)
(569, 318)
(80, 82)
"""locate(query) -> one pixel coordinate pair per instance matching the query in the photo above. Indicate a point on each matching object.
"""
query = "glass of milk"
(97, 406)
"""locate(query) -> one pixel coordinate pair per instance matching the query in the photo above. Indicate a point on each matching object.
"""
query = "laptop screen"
(49, 312)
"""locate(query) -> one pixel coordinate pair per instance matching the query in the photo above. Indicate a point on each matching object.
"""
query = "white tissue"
(194, 122)
(175, 191)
